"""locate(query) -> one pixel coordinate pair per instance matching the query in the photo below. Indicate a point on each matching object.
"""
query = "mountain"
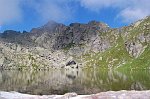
(94, 44)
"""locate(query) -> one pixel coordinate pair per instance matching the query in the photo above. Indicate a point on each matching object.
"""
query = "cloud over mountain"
(52, 9)
(10, 11)
(130, 10)
(62, 10)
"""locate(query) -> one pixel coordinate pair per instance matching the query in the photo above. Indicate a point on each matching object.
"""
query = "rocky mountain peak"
(51, 24)
(9, 33)
(75, 24)
(98, 24)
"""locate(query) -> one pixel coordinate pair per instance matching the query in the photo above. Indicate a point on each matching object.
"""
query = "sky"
(22, 15)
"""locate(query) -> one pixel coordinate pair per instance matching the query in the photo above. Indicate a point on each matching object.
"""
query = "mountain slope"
(94, 44)
(131, 48)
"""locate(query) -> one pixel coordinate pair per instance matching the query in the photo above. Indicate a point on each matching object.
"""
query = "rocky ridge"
(94, 44)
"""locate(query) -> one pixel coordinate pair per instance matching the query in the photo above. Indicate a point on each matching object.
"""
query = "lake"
(80, 81)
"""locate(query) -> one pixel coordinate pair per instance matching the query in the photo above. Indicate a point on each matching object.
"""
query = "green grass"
(112, 57)
(142, 62)
(117, 56)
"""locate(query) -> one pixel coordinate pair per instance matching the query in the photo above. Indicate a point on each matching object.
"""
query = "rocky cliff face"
(92, 44)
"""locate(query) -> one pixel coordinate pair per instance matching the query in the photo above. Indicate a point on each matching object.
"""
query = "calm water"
(81, 82)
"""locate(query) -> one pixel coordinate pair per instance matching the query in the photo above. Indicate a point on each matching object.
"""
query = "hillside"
(94, 44)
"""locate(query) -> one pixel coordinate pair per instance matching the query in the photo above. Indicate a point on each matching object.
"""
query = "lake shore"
(123, 94)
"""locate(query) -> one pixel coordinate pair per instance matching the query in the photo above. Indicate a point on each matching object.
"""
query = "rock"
(71, 63)
(134, 49)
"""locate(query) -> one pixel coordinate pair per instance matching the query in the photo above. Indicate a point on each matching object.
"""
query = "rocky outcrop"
(15, 56)
(134, 49)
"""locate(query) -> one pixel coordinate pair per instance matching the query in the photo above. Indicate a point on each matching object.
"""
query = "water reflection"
(79, 81)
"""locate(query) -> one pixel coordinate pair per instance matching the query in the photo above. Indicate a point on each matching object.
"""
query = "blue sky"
(26, 14)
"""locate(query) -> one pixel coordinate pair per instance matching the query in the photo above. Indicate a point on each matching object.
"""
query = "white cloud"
(137, 9)
(130, 14)
(62, 10)
(58, 10)
(9, 11)
(96, 5)
(130, 10)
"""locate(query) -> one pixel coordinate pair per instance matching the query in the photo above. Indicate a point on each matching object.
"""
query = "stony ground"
(103, 95)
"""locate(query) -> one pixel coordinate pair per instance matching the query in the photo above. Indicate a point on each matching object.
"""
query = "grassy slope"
(118, 57)
(142, 62)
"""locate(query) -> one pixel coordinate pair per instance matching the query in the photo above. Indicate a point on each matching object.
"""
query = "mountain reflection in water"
(79, 81)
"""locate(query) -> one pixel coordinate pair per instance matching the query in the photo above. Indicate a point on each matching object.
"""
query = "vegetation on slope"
(118, 56)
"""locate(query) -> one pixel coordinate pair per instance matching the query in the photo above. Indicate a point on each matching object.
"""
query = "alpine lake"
(61, 81)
